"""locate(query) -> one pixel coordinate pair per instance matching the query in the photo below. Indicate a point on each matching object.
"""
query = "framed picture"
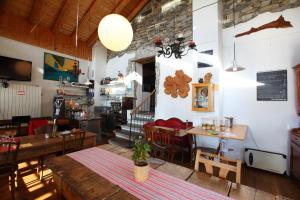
(60, 68)
(272, 85)
(202, 98)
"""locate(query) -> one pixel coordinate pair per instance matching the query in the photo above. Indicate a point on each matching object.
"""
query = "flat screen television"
(15, 69)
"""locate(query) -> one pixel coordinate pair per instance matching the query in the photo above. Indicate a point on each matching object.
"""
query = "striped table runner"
(119, 171)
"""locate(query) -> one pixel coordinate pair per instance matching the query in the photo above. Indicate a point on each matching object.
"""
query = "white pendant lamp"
(234, 67)
(115, 32)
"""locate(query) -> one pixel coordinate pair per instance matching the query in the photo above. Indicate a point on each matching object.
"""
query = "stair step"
(143, 119)
(136, 123)
(125, 135)
(141, 115)
(133, 129)
(119, 142)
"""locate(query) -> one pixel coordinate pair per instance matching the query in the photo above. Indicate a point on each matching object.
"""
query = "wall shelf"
(202, 97)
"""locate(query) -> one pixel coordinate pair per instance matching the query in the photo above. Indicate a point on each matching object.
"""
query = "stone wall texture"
(248, 9)
(151, 22)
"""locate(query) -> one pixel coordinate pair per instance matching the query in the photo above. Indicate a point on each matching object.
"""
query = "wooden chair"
(9, 147)
(43, 129)
(160, 143)
(63, 124)
(149, 133)
(39, 131)
(193, 148)
(21, 120)
(163, 143)
(11, 129)
(224, 164)
(73, 142)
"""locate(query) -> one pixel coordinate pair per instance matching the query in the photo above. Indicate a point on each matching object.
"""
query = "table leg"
(58, 184)
(196, 168)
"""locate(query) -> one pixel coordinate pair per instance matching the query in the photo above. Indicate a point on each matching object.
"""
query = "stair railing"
(146, 110)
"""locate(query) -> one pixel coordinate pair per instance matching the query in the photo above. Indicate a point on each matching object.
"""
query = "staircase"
(140, 115)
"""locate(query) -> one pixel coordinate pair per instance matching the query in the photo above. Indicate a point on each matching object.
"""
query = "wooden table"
(34, 146)
(75, 181)
(237, 132)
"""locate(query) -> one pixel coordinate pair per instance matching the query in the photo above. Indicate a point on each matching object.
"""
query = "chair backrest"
(43, 129)
(73, 142)
(150, 132)
(21, 119)
(10, 148)
(225, 165)
(62, 124)
(164, 136)
(11, 127)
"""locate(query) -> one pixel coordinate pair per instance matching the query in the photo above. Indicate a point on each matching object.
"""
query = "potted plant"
(141, 150)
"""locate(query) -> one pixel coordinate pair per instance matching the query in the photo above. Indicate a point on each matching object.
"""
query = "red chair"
(36, 123)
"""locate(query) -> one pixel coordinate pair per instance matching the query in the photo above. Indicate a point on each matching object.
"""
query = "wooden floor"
(29, 186)
(270, 182)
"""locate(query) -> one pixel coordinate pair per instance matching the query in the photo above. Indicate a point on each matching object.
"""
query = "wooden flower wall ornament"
(177, 85)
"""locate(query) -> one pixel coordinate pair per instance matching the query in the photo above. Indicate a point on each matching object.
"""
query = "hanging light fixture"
(115, 32)
(234, 67)
(88, 82)
(179, 47)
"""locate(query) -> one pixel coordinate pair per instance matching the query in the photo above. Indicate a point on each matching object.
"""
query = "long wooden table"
(34, 146)
(75, 181)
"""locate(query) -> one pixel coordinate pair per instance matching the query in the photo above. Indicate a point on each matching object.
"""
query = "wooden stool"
(224, 164)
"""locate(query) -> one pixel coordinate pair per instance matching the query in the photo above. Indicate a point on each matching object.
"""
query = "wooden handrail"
(142, 103)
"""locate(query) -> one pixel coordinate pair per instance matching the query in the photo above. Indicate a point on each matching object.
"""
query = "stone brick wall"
(146, 29)
(248, 9)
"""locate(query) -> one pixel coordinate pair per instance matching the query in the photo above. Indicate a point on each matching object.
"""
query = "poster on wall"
(272, 85)
(60, 68)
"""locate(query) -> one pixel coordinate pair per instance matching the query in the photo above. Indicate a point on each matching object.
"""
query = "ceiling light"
(115, 32)
(235, 67)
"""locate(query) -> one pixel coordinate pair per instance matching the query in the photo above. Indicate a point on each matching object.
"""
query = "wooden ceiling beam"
(20, 29)
(36, 11)
(84, 18)
(137, 9)
(4, 6)
(59, 18)
(94, 37)
(121, 6)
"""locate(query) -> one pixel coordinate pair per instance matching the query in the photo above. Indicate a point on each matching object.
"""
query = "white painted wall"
(273, 49)
(206, 34)
(15, 49)
(118, 64)
(99, 69)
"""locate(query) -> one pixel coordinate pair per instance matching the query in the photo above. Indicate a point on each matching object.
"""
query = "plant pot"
(141, 173)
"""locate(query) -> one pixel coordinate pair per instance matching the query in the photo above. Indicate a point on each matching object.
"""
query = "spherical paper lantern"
(115, 32)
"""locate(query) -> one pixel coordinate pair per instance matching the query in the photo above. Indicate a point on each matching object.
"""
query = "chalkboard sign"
(272, 86)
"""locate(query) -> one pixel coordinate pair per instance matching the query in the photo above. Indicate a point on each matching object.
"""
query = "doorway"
(147, 70)
(149, 82)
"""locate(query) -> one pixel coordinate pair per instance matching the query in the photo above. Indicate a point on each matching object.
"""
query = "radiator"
(20, 99)
(265, 160)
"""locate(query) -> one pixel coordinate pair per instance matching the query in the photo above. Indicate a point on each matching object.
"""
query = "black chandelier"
(178, 47)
